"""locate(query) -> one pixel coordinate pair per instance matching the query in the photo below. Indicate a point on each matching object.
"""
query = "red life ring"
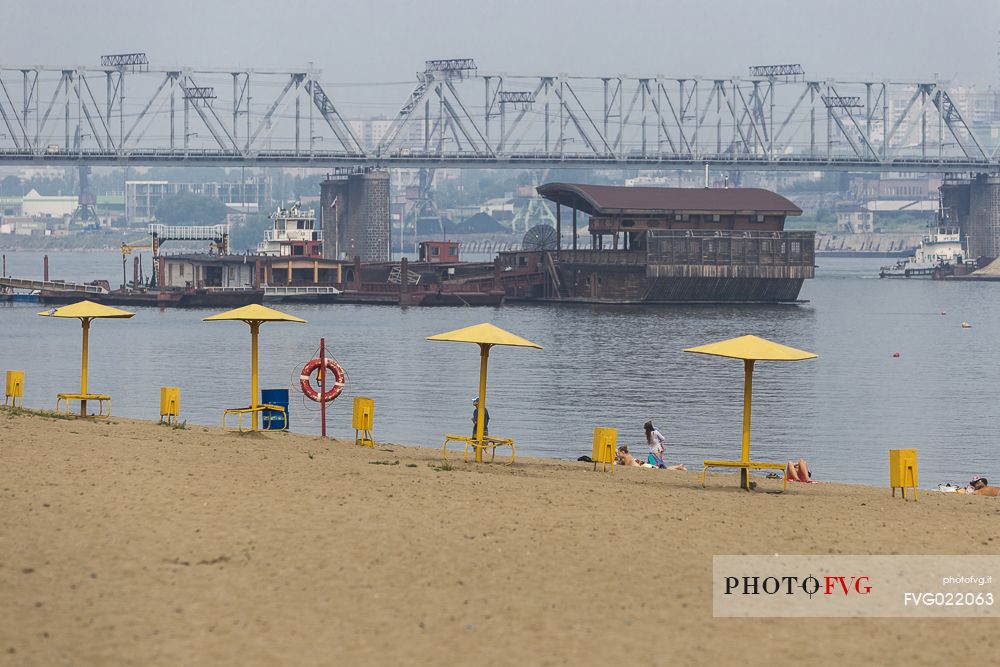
(333, 392)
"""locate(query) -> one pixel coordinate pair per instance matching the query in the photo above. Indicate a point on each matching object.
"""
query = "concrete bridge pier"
(974, 206)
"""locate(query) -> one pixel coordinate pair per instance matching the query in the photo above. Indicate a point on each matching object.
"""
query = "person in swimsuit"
(624, 458)
(979, 486)
(798, 472)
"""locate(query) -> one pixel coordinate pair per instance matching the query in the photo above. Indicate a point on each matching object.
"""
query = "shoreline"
(455, 452)
(131, 543)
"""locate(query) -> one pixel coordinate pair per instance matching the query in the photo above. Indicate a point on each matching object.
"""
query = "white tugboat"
(293, 234)
(941, 250)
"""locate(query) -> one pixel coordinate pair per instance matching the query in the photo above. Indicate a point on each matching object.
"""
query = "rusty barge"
(668, 245)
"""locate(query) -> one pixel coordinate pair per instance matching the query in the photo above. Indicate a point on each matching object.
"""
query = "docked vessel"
(937, 255)
(671, 245)
(187, 298)
(438, 277)
(293, 233)
(50, 291)
(58, 292)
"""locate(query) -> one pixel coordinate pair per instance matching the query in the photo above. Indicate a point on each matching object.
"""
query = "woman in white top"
(655, 440)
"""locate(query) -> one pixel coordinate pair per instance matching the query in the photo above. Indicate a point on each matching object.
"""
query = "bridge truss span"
(456, 115)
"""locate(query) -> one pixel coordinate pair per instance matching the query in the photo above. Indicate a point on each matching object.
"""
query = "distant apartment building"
(855, 220)
(895, 186)
(979, 109)
(908, 187)
(11, 205)
(142, 197)
(371, 131)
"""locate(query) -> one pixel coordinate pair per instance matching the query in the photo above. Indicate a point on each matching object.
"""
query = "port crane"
(127, 249)
(217, 235)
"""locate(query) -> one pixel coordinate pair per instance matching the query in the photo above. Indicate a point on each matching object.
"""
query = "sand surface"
(991, 269)
(129, 543)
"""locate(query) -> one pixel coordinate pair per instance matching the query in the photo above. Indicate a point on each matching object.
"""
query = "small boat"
(936, 256)
(58, 292)
(18, 297)
(160, 298)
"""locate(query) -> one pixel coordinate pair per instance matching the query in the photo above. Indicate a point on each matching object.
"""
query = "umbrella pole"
(747, 391)
(83, 364)
(254, 331)
(484, 357)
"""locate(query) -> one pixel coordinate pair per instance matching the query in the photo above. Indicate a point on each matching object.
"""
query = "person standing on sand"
(475, 418)
(655, 440)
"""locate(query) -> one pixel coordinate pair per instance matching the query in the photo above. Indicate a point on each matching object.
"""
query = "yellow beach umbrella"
(486, 336)
(86, 311)
(750, 349)
(254, 315)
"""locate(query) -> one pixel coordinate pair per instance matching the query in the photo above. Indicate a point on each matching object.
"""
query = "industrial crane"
(127, 249)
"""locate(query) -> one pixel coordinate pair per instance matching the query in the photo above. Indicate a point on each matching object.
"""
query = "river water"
(607, 366)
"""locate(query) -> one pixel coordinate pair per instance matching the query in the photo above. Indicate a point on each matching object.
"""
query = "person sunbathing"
(798, 472)
(624, 458)
(979, 486)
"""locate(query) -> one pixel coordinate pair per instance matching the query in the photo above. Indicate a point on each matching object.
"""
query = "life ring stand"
(306, 384)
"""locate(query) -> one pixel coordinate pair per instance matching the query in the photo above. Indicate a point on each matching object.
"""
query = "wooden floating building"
(668, 245)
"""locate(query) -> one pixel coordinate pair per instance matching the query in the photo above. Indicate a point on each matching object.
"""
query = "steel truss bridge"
(125, 112)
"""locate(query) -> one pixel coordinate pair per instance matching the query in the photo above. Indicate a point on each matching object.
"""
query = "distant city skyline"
(387, 41)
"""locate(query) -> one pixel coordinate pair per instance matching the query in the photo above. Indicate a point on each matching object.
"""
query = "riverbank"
(97, 241)
(870, 244)
(130, 543)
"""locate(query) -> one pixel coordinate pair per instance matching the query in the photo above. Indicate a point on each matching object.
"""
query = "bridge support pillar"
(974, 206)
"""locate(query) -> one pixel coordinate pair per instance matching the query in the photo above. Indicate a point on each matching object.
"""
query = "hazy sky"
(381, 41)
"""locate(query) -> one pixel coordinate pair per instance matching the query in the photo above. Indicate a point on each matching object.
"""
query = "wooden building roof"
(609, 200)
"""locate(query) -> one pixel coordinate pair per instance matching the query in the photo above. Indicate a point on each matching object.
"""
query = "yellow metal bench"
(252, 410)
(488, 442)
(103, 403)
(749, 465)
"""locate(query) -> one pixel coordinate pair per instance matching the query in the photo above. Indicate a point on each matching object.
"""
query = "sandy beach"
(129, 543)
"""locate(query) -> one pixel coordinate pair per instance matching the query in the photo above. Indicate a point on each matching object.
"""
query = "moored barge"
(670, 245)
